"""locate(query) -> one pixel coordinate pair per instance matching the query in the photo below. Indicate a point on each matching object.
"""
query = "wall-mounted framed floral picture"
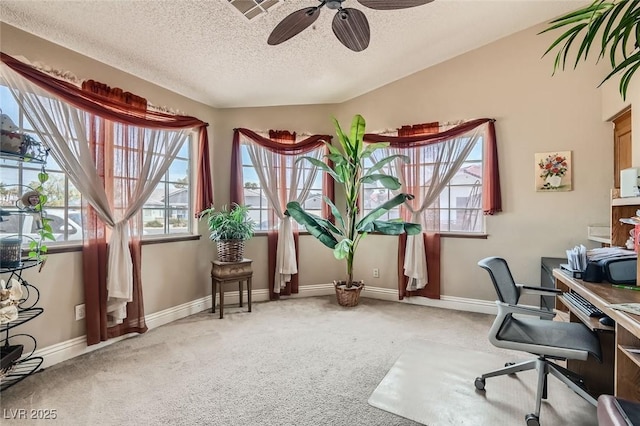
(553, 171)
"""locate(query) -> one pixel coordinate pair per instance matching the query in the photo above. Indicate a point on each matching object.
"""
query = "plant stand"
(230, 272)
(348, 297)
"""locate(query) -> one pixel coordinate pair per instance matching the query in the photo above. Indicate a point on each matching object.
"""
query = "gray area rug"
(433, 384)
(292, 362)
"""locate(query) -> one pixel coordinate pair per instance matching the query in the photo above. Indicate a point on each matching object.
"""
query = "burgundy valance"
(491, 194)
(99, 105)
(280, 142)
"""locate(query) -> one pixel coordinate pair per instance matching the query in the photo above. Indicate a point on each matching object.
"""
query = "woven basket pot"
(230, 250)
(348, 296)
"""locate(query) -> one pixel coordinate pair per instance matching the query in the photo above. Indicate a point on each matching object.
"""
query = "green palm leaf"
(617, 22)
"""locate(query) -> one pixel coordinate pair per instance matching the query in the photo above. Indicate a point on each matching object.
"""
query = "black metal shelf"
(24, 264)
(24, 315)
(19, 370)
(31, 151)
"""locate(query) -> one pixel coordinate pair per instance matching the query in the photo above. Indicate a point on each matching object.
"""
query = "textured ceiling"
(208, 51)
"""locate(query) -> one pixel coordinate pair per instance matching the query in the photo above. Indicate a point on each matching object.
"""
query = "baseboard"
(72, 348)
(445, 302)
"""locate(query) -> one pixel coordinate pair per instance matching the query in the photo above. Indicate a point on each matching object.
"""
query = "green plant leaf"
(382, 209)
(393, 227)
(334, 211)
(343, 139)
(383, 162)
(311, 223)
(389, 182)
(373, 147)
(321, 165)
(341, 250)
(357, 134)
(43, 177)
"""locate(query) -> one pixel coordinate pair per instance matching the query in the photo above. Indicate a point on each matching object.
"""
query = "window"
(63, 203)
(458, 207)
(167, 212)
(256, 199)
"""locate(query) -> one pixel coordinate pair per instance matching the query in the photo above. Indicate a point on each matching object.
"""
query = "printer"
(616, 270)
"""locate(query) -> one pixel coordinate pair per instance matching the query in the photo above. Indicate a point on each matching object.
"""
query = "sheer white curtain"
(428, 172)
(139, 164)
(283, 180)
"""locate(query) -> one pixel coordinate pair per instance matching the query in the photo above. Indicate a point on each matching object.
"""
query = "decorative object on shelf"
(348, 171)
(553, 171)
(8, 356)
(29, 200)
(612, 22)
(229, 228)
(18, 144)
(10, 298)
(10, 252)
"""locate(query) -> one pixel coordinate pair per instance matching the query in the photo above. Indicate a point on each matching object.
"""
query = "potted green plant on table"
(229, 228)
(351, 225)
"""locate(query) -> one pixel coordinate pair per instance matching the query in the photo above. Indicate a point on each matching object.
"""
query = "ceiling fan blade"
(352, 29)
(392, 4)
(293, 24)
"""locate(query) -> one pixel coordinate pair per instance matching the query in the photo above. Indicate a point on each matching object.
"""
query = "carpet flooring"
(297, 362)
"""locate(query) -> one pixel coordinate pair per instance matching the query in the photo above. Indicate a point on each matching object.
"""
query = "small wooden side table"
(230, 272)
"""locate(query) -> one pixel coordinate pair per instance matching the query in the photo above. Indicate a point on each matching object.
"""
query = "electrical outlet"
(80, 313)
(376, 273)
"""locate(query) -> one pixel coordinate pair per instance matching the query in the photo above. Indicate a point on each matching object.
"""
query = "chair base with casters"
(543, 366)
(547, 340)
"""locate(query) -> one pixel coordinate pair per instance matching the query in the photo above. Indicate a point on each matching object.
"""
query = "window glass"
(458, 208)
(168, 211)
(257, 201)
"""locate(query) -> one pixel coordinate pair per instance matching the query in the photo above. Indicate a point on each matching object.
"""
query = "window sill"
(477, 236)
(464, 235)
(73, 247)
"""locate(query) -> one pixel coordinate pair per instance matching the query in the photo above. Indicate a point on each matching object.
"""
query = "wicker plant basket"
(348, 296)
(230, 250)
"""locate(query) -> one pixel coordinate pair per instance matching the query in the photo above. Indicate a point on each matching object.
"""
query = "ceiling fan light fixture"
(334, 4)
(350, 25)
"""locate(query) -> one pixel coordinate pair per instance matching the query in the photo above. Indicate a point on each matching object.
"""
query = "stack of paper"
(632, 308)
(606, 252)
(577, 258)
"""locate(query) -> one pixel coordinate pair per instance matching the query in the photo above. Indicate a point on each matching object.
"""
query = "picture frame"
(554, 170)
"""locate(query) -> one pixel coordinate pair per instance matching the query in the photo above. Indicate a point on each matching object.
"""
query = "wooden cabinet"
(621, 145)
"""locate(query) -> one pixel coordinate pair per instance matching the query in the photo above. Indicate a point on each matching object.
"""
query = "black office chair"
(548, 340)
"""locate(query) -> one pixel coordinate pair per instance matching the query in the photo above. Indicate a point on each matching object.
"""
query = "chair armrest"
(545, 291)
(506, 308)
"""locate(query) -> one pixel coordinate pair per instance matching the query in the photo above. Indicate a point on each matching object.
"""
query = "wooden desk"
(615, 342)
(230, 272)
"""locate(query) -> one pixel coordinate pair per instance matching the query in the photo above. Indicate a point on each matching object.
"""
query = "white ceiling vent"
(252, 8)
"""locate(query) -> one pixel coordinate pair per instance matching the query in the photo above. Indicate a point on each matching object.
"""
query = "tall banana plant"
(348, 171)
(616, 23)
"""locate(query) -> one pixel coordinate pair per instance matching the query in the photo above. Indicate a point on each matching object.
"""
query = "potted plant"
(351, 225)
(229, 229)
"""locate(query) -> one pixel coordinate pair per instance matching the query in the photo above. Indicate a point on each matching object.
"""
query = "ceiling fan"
(349, 25)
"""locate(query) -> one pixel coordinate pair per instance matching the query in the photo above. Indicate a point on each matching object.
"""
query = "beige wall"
(505, 80)
(535, 112)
